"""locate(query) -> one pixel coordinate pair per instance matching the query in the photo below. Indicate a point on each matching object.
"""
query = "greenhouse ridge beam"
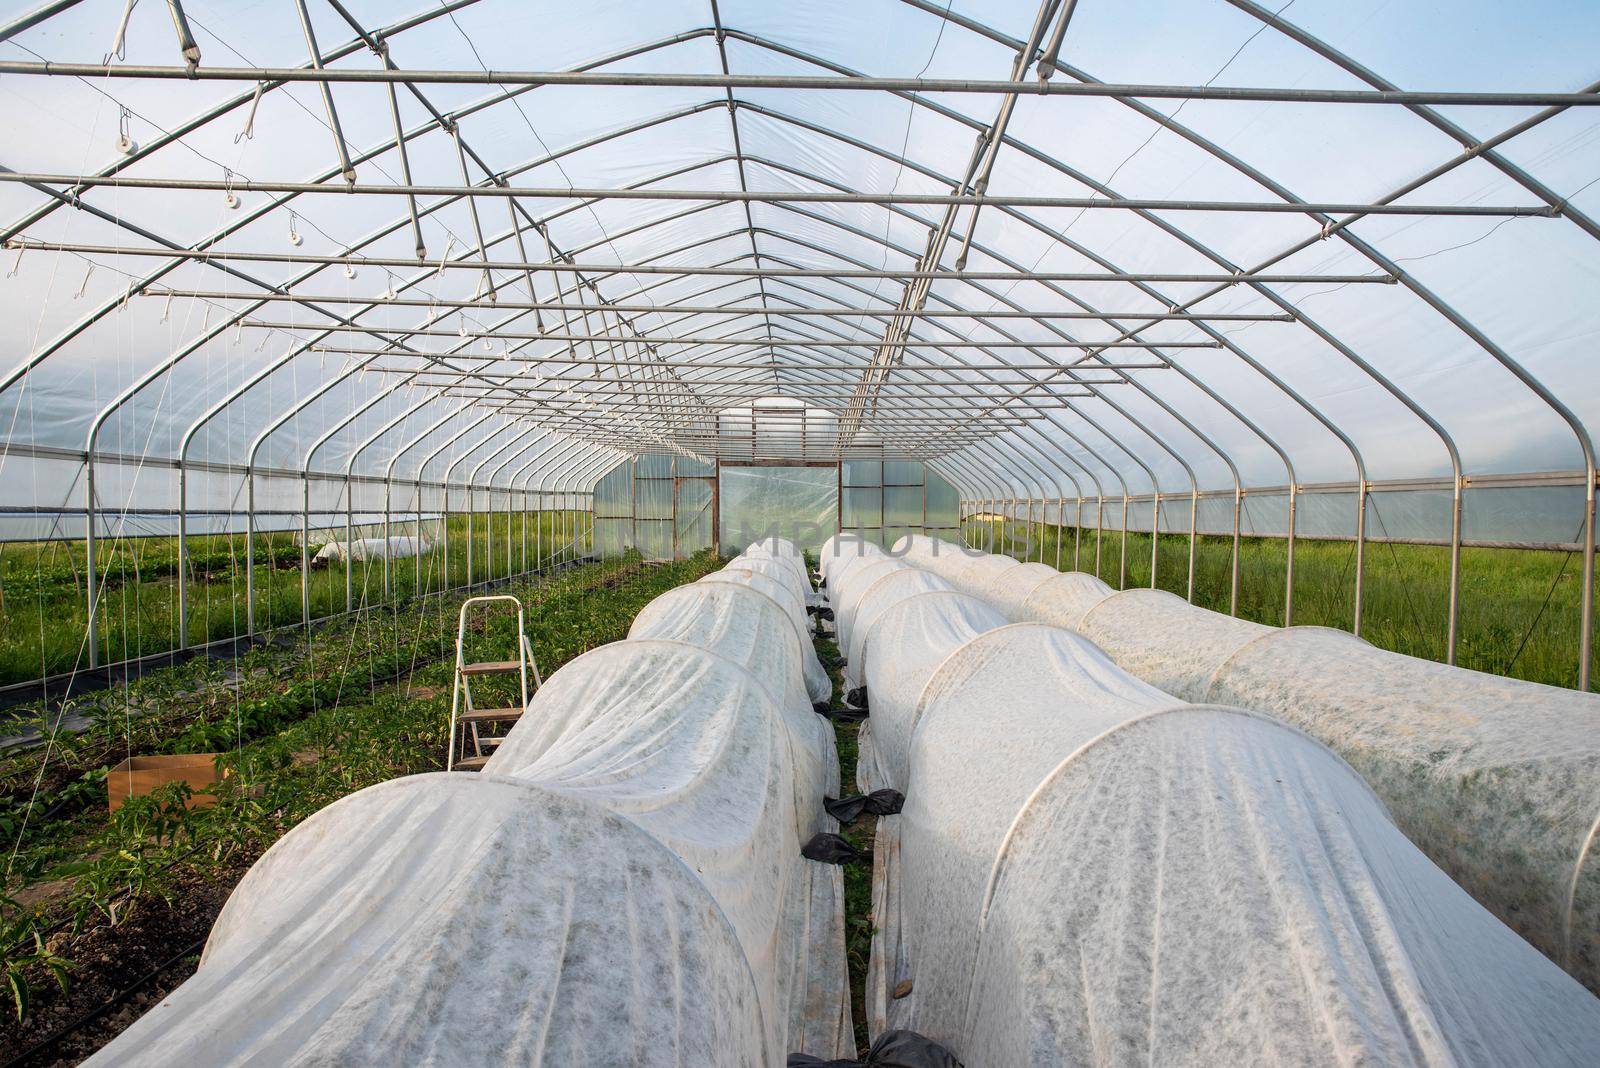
(714, 309)
(484, 334)
(210, 254)
(914, 296)
(840, 370)
(736, 196)
(1260, 94)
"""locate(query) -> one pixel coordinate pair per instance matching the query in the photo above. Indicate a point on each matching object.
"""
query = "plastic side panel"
(654, 538)
(799, 504)
(862, 508)
(862, 472)
(694, 515)
(902, 507)
(613, 537)
(943, 504)
(652, 498)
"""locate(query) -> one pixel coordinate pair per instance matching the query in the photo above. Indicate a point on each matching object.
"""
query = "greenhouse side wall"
(1488, 580)
(206, 556)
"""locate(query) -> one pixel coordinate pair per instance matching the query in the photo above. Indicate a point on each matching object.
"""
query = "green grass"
(1518, 614)
(43, 613)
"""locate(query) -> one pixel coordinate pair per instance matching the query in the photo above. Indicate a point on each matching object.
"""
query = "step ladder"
(464, 712)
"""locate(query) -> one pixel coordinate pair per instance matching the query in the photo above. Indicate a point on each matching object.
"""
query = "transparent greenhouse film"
(796, 503)
(1247, 349)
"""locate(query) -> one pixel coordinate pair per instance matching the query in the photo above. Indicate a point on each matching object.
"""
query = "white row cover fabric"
(622, 885)
(945, 558)
(784, 580)
(394, 548)
(444, 920)
(776, 548)
(743, 623)
(864, 578)
(1497, 780)
(877, 598)
(1087, 871)
(841, 550)
(689, 744)
(908, 643)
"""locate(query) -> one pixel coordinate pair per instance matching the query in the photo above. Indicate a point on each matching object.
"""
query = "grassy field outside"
(43, 587)
(1518, 614)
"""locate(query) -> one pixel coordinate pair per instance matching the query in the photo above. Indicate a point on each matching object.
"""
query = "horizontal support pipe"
(797, 81)
(631, 386)
(591, 410)
(690, 309)
(734, 388)
(668, 339)
(1081, 362)
(899, 404)
(739, 196)
(1237, 277)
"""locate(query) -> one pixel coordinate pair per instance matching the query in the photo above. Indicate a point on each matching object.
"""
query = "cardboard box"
(137, 776)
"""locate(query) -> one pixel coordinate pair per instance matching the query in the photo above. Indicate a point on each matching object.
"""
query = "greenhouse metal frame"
(536, 354)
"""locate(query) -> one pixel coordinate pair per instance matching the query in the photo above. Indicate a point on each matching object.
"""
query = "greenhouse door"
(694, 514)
(800, 503)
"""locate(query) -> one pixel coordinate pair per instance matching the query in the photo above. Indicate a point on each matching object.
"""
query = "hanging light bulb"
(294, 234)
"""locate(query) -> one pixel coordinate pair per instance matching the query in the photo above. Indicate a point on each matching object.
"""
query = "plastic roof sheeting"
(1309, 253)
(1489, 310)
